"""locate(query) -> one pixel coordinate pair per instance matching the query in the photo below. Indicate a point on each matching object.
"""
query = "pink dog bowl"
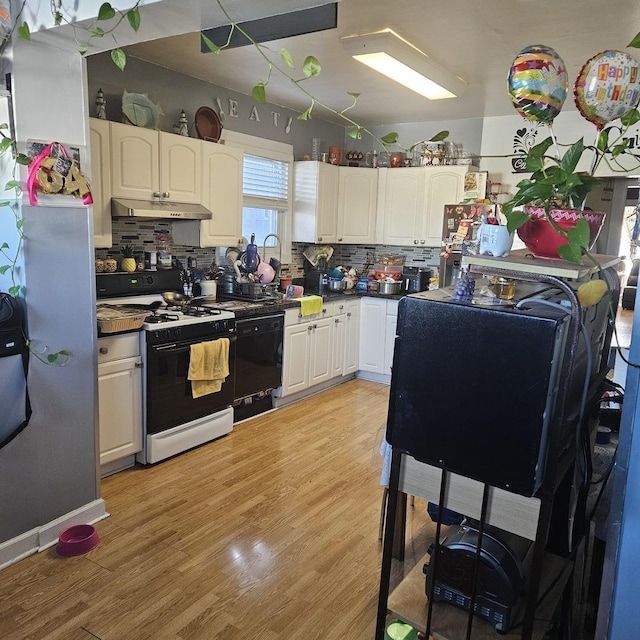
(77, 540)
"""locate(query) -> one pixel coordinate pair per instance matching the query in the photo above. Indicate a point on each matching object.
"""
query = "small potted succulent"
(548, 209)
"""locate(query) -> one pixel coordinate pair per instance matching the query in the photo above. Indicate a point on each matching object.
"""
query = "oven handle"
(181, 346)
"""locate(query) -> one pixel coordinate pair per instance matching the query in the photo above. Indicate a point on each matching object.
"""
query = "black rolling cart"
(506, 447)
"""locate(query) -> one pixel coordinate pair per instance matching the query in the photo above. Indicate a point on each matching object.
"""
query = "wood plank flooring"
(270, 532)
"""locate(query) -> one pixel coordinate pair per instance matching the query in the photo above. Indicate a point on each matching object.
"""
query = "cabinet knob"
(415, 242)
(104, 350)
(341, 307)
(339, 239)
(324, 310)
(348, 314)
(423, 242)
(320, 239)
(336, 320)
(139, 365)
(156, 194)
(310, 327)
(165, 194)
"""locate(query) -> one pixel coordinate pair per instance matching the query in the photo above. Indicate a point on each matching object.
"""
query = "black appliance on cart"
(527, 371)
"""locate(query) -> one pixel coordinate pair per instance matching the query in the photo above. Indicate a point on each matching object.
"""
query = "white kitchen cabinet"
(222, 195)
(378, 320)
(346, 333)
(357, 205)
(307, 355)
(148, 164)
(391, 322)
(338, 341)
(411, 203)
(373, 318)
(100, 181)
(119, 399)
(315, 202)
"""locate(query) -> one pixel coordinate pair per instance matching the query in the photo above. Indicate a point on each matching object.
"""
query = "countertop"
(255, 308)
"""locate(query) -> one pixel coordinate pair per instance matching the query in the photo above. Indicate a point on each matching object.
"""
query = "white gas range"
(173, 420)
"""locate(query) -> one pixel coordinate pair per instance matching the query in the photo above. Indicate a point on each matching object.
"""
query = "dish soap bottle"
(165, 247)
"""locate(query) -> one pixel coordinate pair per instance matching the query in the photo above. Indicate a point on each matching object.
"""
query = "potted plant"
(548, 210)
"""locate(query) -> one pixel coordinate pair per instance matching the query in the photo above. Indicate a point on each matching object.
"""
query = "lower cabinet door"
(120, 409)
(321, 355)
(295, 370)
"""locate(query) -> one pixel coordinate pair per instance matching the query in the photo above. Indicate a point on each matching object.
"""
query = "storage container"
(387, 272)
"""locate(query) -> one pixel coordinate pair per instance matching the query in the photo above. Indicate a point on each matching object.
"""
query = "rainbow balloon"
(538, 83)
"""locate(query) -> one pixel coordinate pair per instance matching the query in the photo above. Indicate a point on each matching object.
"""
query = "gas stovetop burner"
(157, 318)
(200, 312)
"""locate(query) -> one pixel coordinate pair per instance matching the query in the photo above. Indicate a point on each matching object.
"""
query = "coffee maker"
(315, 278)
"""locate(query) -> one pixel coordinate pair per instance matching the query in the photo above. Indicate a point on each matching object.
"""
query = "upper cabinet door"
(315, 202)
(101, 182)
(222, 195)
(445, 185)
(134, 162)
(180, 168)
(357, 202)
(402, 194)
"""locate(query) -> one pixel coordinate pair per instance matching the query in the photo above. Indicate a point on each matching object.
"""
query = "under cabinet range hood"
(129, 208)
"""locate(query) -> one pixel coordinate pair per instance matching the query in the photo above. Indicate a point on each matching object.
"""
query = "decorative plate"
(140, 111)
(208, 125)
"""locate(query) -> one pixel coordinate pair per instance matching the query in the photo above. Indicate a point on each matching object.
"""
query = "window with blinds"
(265, 188)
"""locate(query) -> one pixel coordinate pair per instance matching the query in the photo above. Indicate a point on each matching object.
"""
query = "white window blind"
(266, 181)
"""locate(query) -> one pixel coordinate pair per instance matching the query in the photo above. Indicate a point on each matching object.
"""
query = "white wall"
(503, 136)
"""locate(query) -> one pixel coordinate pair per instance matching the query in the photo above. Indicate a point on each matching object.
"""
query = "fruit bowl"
(544, 241)
(77, 540)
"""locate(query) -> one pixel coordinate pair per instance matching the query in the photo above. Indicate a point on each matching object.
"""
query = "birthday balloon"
(607, 87)
(538, 83)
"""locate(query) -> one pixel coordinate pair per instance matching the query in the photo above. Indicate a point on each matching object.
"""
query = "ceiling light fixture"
(393, 56)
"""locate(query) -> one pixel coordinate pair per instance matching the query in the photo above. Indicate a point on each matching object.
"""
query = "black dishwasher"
(258, 363)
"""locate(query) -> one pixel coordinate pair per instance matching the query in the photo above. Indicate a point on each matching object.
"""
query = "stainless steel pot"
(389, 288)
(337, 285)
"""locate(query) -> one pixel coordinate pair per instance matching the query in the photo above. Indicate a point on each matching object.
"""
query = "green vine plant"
(311, 68)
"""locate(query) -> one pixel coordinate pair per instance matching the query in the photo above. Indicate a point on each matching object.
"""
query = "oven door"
(169, 401)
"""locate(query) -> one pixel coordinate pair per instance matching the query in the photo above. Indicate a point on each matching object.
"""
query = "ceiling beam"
(285, 25)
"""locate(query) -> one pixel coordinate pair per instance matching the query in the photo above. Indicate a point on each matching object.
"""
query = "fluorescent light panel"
(394, 57)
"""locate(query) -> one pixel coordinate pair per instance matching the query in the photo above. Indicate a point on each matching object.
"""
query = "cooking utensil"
(389, 288)
(265, 272)
(231, 255)
(337, 285)
(176, 299)
(250, 259)
(236, 267)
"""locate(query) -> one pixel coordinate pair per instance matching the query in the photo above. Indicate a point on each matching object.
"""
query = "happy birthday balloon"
(538, 83)
(607, 87)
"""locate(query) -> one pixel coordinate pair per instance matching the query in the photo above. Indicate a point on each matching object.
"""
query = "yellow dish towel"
(310, 305)
(208, 366)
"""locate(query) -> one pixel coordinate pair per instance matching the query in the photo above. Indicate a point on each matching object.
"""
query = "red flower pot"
(544, 241)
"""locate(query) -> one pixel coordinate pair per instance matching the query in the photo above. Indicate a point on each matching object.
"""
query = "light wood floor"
(270, 532)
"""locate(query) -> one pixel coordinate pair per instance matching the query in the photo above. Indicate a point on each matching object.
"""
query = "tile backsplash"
(142, 235)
